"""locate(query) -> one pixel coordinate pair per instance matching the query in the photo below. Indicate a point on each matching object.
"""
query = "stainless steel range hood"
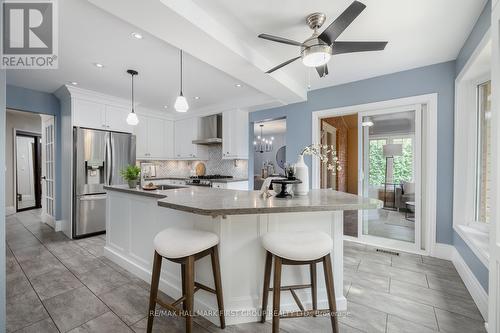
(210, 132)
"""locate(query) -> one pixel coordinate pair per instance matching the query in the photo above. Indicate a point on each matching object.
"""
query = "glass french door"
(390, 150)
(48, 169)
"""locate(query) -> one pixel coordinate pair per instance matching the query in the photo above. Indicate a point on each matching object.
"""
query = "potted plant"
(131, 175)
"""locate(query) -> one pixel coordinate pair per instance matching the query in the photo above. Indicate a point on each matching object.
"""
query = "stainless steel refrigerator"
(98, 158)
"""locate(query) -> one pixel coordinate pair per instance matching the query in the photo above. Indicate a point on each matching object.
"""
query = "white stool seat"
(298, 246)
(178, 243)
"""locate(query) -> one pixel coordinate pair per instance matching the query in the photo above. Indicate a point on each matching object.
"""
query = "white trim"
(465, 155)
(475, 289)
(473, 237)
(430, 169)
(10, 210)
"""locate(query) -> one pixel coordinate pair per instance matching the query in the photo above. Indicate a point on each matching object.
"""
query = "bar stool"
(298, 248)
(185, 246)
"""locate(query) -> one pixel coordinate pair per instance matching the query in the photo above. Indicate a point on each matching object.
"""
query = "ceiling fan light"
(316, 59)
(132, 119)
(181, 104)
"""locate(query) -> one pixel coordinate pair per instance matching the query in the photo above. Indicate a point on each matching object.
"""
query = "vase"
(301, 173)
(132, 183)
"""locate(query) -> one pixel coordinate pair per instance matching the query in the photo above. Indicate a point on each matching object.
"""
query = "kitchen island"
(239, 218)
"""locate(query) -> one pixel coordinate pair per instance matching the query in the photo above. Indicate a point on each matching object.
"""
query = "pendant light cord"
(181, 73)
(133, 93)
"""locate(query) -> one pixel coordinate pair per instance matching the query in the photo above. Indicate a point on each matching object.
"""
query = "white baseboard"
(58, 225)
(10, 210)
(476, 290)
(479, 295)
(443, 251)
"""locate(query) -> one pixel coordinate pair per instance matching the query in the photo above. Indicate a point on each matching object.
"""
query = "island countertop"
(221, 202)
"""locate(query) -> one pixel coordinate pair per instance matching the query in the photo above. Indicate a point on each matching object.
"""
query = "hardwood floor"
(58, 285)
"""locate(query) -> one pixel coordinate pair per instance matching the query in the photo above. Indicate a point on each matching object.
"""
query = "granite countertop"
(229, 180)
(165, 178)
(222, 180)
(159, 194)
(221, 202)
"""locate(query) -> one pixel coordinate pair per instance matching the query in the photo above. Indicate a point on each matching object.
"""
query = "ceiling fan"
(317, 50)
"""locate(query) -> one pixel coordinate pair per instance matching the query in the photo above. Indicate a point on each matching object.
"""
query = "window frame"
(475, 72)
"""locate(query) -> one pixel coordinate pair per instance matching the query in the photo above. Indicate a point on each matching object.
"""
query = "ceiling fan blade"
(322, 70)
(279, 39)
(333, 31)
(349, 47)
(282, 65)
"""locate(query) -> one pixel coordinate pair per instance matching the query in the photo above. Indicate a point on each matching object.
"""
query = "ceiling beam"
(183, 24)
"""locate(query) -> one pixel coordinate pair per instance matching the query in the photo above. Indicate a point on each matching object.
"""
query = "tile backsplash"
(214, 165)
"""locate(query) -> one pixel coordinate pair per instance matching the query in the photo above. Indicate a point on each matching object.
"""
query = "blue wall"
(437, 78)
(482, 25)
(480, 28)
(2, 201)
(39, 102)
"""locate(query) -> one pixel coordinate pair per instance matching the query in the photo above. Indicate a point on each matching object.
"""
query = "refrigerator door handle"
(109, 164)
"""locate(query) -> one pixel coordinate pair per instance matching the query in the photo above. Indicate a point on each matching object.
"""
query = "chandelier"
(262, 144)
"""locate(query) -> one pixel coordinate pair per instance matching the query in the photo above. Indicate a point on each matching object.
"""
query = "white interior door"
(494, 277)
(48, 170)
(399, 225)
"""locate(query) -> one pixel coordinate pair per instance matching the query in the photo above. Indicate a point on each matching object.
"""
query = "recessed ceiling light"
(98, 65)
(237, 85)
(74, 83)
(165, 106)
(137, 35)
(196, 97)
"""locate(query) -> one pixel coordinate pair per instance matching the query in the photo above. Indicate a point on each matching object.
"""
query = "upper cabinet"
(98, 115)
(235, 135)
(154, 138)
(186, 130)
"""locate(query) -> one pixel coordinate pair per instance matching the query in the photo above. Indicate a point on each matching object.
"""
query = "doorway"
(396, 150)
(27, 170)
(269, 150)
(390, 147)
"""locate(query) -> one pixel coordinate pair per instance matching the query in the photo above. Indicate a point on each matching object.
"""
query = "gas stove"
(206, 180)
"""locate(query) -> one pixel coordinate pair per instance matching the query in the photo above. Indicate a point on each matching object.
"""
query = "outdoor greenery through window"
(483, 169)
(402, 166)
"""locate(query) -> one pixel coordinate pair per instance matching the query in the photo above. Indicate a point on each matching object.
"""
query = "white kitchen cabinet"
(88, 114)
(235, 135)
(186, 130)
(96, 115)
(154, 138)
(116, 119)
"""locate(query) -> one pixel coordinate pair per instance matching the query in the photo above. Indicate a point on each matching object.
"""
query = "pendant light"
(181, 104)
(132, 116)
(262, 144)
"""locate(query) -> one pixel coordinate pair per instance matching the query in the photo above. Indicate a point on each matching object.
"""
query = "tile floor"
(57, 285)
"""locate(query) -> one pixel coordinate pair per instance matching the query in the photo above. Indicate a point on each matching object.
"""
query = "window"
(400, 170)
(377, 161)
(483, 167)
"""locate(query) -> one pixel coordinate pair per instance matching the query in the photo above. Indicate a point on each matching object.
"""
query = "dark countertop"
(222, 180)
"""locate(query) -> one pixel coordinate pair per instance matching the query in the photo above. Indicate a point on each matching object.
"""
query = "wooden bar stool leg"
(330, 290)
(265, 288)
(218, 284)
(189, 293)
(153, 294)
(314, 287)
(276, 294)
(183, 279)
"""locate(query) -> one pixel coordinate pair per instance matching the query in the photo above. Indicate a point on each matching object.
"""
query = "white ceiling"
(89, 35)
(419, 33)
(221, 38)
